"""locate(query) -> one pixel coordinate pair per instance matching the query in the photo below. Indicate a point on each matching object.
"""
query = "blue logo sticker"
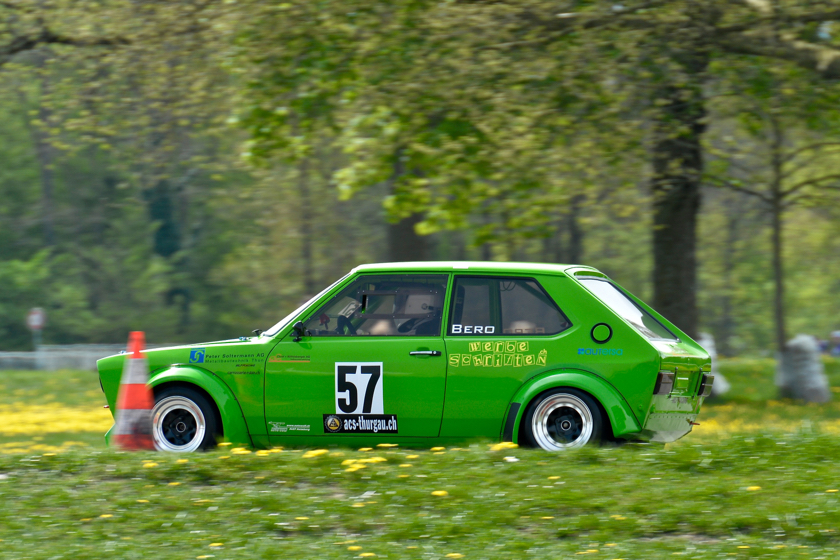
(197, 355)
(601, 351)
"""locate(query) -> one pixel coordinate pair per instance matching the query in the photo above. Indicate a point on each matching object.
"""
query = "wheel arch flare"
(618, 412)
(230, 412)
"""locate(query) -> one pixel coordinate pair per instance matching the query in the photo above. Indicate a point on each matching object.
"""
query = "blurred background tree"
(196, 168)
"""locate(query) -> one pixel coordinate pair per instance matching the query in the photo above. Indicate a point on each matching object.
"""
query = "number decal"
(355, 379)
(349, 404)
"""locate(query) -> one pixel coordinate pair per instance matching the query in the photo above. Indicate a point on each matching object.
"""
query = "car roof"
(472, 266)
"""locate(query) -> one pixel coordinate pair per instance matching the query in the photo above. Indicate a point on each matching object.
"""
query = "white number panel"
(358, 388)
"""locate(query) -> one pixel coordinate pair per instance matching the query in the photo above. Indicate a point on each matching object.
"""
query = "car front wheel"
(562, 419)
(183, 420)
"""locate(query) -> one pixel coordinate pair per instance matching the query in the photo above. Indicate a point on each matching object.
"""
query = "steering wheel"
(342, 323)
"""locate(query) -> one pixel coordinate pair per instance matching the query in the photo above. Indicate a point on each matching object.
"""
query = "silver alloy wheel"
(178, 424)
(562, 421)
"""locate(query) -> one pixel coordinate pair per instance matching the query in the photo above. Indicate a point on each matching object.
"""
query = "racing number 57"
(355, 379)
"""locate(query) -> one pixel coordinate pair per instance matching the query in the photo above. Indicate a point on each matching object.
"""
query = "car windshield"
(625, 307)
(287, 319)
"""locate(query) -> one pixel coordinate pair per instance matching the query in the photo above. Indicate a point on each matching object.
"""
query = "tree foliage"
(194, 168)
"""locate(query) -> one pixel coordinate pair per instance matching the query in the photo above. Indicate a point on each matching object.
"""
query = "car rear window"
(496, 306)
(625, 307)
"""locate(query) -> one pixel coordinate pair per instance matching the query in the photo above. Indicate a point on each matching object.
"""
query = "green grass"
(701, 501)
(752, 494)
(45, 410)
(752, 405)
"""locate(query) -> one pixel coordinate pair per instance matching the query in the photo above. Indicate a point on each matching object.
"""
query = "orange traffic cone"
(133, 426)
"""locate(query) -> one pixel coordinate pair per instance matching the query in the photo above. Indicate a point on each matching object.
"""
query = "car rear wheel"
(562, 419)
(183, 420)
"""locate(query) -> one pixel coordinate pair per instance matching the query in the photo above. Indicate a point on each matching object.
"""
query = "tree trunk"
(678, 168)
(778, 277)
(777, 208)
(404, 244)
(575, 245)
(306, 219)
(726, 319)
(44, 153)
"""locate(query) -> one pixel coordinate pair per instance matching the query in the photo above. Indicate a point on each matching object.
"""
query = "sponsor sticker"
(600, 351)
(197, 355)
(288, 359)
(360, 423)
(282, 427)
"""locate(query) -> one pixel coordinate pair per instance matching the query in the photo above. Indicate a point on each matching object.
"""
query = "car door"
(372, 361)
(500, 332)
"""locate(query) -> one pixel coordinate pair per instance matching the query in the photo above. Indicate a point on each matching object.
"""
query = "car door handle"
(425, 353)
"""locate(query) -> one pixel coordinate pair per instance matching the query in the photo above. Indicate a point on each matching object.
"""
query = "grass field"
(758, 478)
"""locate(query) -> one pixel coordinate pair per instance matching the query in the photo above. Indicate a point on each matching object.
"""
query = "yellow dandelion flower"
(832, 490)
(610, 544)
(753, 488)
(388, 445)
(149, 465)
(366, 449)
(215, 544)
(225, 457)
(454, 555)
(225, 444)
(337, 454)
(503, 445)
(49, 454)
(547, 517)
(438, 449)
(440, 493)
(315, 453)
(553, 477)
(85, 519)
(743, 546)
(367, 554)
(406, 465)
(358, 504)
(403, 475)
(263, 453)
(301, 518)
(240, 451)
(259, 477)
(106, 515)
(174, 484)
(354, 548)
(346, 462)
(203, 556)
(182, 461)
(412, 456)
(142, 501)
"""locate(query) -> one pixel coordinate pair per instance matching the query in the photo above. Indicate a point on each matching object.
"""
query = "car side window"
(383, 305)
(488, 306)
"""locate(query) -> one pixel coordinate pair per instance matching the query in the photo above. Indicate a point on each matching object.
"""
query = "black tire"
(183, 420)
(561, 419)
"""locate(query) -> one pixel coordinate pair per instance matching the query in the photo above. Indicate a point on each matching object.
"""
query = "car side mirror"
(299, 329)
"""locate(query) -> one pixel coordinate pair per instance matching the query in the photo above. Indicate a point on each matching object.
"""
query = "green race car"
(421, 354)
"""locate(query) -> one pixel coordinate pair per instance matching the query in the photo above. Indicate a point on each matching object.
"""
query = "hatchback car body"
(551, 356)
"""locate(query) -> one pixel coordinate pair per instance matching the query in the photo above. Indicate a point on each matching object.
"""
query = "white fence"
(55, 357)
